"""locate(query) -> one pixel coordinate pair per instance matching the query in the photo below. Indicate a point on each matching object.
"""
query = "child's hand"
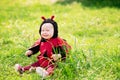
(28, 53)
(56, 56)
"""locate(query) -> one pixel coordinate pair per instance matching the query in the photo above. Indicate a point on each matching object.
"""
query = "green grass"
(93, 32)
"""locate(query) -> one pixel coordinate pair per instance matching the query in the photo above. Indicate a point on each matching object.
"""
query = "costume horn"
(43, 18)
(52, 17)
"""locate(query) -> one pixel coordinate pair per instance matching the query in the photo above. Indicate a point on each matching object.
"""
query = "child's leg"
(35, 64)
(40, 63)
(45, 72)
(21, 69)
(50, 69)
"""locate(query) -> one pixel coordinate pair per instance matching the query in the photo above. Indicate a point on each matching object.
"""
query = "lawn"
(93, 31)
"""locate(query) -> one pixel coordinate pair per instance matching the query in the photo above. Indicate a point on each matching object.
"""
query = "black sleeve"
(34, 49)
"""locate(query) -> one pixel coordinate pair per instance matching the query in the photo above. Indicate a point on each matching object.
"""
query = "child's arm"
(33, 49)
(62, 50)
(56, 56)
(28, 53)
(59, 52)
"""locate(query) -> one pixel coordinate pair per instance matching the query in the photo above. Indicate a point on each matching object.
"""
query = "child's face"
(47, 31)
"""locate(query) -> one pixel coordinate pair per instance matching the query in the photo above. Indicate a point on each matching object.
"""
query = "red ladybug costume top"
(51, 46)
(48, 48)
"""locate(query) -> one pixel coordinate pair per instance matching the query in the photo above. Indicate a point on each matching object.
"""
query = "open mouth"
(45, 35)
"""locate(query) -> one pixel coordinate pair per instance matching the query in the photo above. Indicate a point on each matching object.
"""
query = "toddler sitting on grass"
(51, 47)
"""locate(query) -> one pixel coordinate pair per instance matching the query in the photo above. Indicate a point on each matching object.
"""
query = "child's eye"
(47, 30)
(42, 30)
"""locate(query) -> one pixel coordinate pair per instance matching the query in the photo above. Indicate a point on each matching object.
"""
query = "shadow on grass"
(93, 3)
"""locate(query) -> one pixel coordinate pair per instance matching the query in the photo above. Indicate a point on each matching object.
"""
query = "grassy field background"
(92, 28)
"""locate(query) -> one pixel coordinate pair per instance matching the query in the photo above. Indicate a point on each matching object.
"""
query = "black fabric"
(54, 25)
(34, 49)
(45, 54)
(43, 40)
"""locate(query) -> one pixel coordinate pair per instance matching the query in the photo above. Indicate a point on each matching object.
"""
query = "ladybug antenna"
(52, 17)
(43, 18)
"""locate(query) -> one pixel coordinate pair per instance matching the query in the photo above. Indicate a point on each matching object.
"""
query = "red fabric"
(46, 47)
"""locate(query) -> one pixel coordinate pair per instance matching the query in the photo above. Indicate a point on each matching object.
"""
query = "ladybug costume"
(47, 48)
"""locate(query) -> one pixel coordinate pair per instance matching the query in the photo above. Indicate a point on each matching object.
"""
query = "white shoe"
(18, 68)
(42, 72)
